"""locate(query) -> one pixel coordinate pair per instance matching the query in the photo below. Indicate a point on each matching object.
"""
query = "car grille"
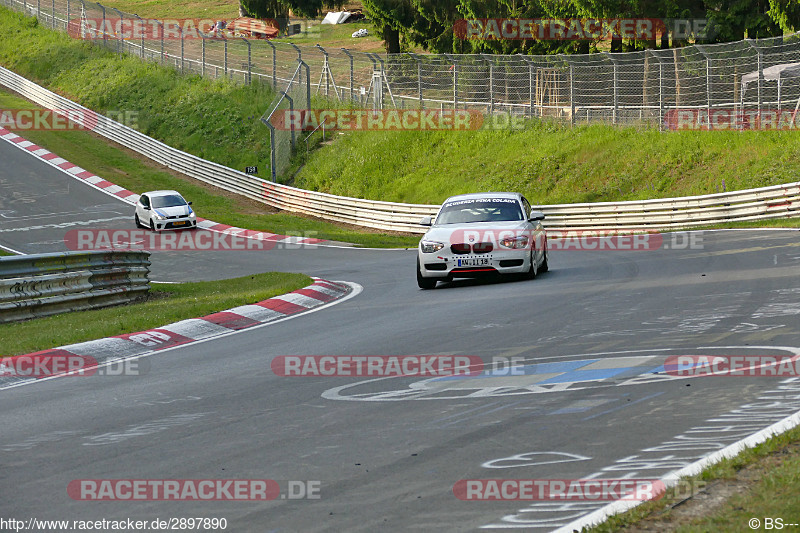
(478, 248)
(460, 248)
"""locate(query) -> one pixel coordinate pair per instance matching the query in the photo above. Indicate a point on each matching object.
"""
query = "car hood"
(446, 232)
(179, 210)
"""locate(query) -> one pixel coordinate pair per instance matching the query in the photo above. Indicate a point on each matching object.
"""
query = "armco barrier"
(778, 201)
(46, 284)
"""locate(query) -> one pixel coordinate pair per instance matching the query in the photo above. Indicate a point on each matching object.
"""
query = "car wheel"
(424, 283)
(136, 220)
(152, 225)
(532, 271)
(544, 267)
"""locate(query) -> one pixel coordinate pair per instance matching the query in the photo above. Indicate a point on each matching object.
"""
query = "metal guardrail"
(46, 284)
(778, 201)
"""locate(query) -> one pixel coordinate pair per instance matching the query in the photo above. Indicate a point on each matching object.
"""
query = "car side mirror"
(426, 221)
(536, 215)
(188, 203)
(146, 207)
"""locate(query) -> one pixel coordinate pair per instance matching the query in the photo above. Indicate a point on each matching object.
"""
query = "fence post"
(325, 72)
(121, 30)
(615, 86)
(66, 25)
(760, 76)
(701, 49)
(182, 46)
(53, 15)
(346, 51)
(660, 90)
(161, 32)
(308, 84)
(250, 71)
(105, 35)
(297, 49)
(377, 89)
(225, 55)
(454, 68)
(565, 58)
(141, 43)
(419, 78)
(491, 81)
(202, 54)
(531, 90)
(291, 114)
(274, 65)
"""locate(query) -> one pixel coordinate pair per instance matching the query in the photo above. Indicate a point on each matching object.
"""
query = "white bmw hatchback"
(482, 234)
(160, 210)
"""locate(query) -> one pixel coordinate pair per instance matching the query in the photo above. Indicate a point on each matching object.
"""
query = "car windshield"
(170, 200)
(479, 210)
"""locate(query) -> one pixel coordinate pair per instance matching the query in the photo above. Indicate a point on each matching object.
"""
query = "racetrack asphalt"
(387, 452)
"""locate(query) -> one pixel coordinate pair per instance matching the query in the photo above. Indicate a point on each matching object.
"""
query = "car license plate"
(473, 261)
(179, 223)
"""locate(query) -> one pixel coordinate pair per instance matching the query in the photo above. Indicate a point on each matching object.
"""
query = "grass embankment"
(759, 482)
(552, 164)
(165, 304)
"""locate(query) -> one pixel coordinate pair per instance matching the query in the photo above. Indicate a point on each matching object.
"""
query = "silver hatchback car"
(160, 210)
(482, 234)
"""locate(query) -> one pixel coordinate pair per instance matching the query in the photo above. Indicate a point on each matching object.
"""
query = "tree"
(785, 13)
(263, 9)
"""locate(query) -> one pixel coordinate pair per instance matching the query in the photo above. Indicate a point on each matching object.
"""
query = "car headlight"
(429, 247)
(158, 215)
(520, 241)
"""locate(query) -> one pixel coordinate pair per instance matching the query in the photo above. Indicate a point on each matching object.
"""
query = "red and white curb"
(322, 293)
(125, 195)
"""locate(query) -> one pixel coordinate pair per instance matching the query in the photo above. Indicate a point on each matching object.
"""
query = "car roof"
(514, 195)
(161, 193)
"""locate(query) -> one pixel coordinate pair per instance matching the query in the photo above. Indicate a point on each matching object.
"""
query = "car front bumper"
(446, 266)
